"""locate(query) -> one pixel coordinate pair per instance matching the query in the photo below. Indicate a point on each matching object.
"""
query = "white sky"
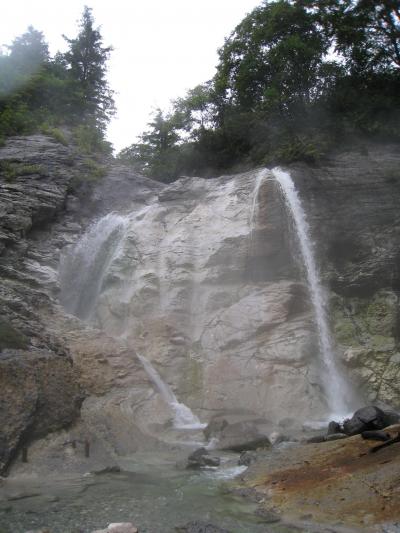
(161, 47)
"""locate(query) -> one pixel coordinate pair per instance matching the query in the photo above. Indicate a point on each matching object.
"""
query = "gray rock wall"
(215, 299)
(353, 206)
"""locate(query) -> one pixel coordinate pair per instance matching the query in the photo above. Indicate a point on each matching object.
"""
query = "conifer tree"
(86, 60)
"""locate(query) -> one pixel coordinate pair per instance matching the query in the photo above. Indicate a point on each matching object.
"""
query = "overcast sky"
(161, 47)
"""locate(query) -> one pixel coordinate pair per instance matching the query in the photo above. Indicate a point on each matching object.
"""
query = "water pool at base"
(151, 492)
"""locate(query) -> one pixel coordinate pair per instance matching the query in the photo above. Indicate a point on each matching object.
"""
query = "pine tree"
(86, 60)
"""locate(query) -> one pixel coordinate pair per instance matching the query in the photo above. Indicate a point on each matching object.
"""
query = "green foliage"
(11, 170)
(40, 93)
(55, 133)
(87, 60)
(309, 149)
(156, 154)
(295, 79)
(94, 171)
(90, 140)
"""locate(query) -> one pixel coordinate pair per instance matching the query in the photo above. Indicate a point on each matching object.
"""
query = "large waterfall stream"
(337, 389)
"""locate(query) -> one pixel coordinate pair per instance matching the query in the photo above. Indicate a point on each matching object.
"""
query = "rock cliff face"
(352, 204)
(202, 278)
(207, 290)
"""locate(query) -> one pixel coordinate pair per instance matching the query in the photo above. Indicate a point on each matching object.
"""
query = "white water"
(336, 388)
(254, 202)
(184, 418)
(84, 267)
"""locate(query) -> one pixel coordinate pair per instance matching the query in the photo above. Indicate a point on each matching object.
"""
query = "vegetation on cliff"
(294, 79)
(40, 93)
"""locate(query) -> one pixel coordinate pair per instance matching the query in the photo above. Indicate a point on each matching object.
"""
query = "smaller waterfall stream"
(336, 388)
(184, 418)
(84, 267)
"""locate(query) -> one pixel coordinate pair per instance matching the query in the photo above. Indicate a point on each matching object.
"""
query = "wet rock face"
(367, 332)
(206, 287)
(50, 362)
(352, 205)
(353, 201)
(39, 394)
(34, 176)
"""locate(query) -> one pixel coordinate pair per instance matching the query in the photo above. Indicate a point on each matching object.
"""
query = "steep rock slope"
(207, 283)
(43, 380)
(206, 288)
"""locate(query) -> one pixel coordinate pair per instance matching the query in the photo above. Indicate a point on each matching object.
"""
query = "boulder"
(376, 435)
(365, 419)
(334, 427)
(201, 458)
(242, 436)
(391, 416)
(247, 458)
(239, 432)
(39, 395)
(316, 439)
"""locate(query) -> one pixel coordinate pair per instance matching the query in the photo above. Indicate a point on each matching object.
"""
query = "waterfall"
(254, 202)
(184, 418)
(84, 267)
(336, 388)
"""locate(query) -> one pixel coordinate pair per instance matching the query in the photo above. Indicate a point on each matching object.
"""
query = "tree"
(29, 51)
(195, 112)
(86, 60)
(156, 152)
(271, 59)
(366, 33)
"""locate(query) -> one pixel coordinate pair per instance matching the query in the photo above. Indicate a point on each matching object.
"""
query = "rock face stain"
(334, 482)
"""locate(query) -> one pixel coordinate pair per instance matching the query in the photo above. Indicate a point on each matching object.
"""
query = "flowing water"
(151, 493)
(82, 272)
(336, 388)
(184, 418)
(84, 266)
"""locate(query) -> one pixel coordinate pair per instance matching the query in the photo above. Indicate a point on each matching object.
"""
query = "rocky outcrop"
(39, 394)
(352, 202)
(39, 388)
(207, 283)
(333, 484)
(49, 361)
(202, 278)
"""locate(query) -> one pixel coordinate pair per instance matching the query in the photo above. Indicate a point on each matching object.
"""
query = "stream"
(150, 491)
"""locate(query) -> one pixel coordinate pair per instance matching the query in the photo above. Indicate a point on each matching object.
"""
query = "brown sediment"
(338, 481)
